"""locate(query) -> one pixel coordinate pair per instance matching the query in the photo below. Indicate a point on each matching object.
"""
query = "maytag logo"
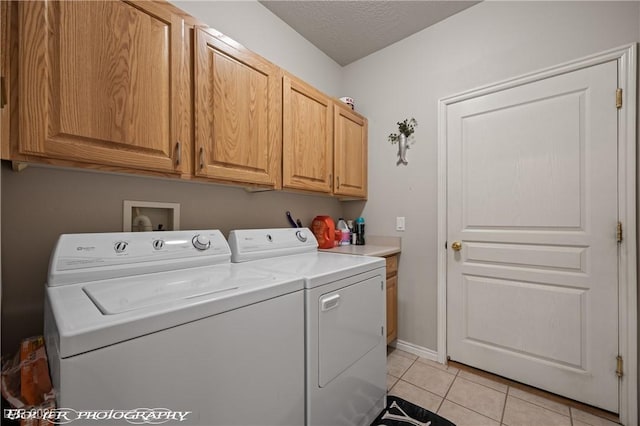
(85, 248)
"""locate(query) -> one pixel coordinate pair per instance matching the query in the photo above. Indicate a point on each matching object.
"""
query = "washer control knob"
(120, 246)
(158, 244)
(201, 242)
(301, 236)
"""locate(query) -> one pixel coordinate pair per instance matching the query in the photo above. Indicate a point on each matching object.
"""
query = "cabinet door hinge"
(618, 98)
(619, 370)
(619, 232)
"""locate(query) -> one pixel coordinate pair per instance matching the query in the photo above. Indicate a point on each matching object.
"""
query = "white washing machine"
(344, 321)
(165, 320)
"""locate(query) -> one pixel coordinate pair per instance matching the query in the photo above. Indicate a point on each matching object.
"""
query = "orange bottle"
(324, 229)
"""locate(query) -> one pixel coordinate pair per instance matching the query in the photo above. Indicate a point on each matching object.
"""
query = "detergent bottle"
(324, 229)
(360, 231)
(346, 234)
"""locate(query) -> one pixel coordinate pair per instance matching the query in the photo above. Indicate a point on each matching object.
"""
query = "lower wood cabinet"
(392, 297)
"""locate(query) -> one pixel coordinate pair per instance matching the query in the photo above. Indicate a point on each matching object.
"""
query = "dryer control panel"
(90, 257)
(255, 244)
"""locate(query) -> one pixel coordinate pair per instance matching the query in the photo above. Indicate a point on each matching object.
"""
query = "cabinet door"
(98, 83)
(392, 308)
(5, 27)
(238, 112)
(350, 153)
(307, 142)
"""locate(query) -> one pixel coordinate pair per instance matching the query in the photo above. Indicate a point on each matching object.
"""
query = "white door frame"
(627, 268)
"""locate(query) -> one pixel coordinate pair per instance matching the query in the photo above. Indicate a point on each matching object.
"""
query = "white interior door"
(532, 198)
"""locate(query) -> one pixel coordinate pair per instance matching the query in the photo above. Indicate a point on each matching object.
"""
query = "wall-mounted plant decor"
(406, 128)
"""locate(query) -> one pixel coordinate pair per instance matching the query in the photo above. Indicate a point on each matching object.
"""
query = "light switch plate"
(400, 223)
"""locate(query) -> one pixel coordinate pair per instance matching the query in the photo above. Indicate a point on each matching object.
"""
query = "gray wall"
(254, 26)
(41, 203)
(484, 44)
(637, 202)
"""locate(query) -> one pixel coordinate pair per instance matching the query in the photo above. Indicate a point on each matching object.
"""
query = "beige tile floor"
(470, 397)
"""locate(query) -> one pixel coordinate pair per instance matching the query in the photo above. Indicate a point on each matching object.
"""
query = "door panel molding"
(626, 57)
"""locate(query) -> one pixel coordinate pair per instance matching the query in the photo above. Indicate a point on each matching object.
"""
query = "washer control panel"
(84, 254)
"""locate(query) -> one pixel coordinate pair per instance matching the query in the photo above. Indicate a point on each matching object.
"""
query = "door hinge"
(619, 232)
(619, 370)
(618, 98)
(382, 331)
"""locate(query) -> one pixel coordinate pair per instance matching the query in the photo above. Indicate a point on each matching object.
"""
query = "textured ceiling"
(349, 30)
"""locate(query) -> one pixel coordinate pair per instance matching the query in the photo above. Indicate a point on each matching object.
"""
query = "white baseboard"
(415, 349)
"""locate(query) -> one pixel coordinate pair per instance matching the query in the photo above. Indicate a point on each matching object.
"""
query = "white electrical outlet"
(400, 223)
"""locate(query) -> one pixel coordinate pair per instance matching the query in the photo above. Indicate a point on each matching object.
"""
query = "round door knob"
(201, 242)
(456, 245)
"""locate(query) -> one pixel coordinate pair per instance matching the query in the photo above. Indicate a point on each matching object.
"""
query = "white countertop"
(375, 246)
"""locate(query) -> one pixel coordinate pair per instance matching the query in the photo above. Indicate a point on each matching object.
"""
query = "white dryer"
(344, 321)
(165, 320)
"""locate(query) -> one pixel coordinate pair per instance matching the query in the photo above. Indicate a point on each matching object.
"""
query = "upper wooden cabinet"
(307, 143)
(350, 152)
(99, 83)
(142, 87)
(238, 112)
(5, 76)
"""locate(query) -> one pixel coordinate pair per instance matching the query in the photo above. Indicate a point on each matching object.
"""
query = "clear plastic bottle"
(346, 233)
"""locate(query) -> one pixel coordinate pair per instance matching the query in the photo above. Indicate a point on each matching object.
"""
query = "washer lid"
(144, 291)
(87, 316)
